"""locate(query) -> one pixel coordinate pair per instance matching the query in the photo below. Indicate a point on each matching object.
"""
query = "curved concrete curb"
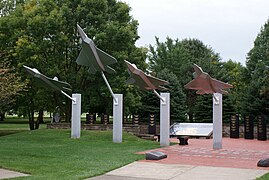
(4, 174)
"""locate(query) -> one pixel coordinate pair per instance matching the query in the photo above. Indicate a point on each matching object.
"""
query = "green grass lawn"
(264, 177)
(13, 125)
(52, 154)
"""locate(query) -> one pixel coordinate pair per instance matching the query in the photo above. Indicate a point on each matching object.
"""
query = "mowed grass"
(264, 177)
(52, 154)
(15, 125)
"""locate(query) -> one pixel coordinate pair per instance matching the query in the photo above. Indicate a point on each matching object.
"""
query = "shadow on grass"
(8, 132)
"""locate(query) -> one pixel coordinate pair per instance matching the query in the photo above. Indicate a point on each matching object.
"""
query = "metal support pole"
(68, 96)
(217, 121)
(117, 118)
(160, 97)
(76, 115)
(216, 99)
(165, 120)
(104, 77)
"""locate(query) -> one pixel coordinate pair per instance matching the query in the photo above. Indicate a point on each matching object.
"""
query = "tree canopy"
(255, 95)
(43, 34)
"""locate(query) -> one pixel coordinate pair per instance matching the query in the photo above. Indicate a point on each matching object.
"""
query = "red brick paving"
(235, 153)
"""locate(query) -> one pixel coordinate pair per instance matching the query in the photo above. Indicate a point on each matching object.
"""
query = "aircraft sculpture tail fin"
(92, 70)
(130, 81)
(198, 70)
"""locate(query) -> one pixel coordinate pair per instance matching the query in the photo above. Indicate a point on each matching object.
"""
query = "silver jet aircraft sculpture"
(45, 81)
(56, 85)
(145, 82)
(205, 84)
(95, 58)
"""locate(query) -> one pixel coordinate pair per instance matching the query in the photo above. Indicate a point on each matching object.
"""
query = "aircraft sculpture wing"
(220, 85)
(136, 77)
(93, 57)
(106, 60)
(44, 81)
(61, 85)
(194, 84)
(145, 82)
(87, 58)
(158, 83)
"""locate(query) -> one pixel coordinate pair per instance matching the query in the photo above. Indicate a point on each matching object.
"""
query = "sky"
(229, 27)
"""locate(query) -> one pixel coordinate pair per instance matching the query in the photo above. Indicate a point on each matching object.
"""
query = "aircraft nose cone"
(130, 66)
(81, 32)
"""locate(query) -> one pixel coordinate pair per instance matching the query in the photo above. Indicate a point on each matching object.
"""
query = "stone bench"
(183, 131)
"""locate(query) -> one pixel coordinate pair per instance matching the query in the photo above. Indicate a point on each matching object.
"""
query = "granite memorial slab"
(248, 125)
(155, 155)
(234, 126)
(152, 124)
(261, 128)
(136, 119)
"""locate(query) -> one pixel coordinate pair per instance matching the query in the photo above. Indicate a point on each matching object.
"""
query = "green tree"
(10, 86)
(203, 109)
(177, 97)
(44, 36)
(178, 57)
(255, 95)
(232, 72)
(7, 6)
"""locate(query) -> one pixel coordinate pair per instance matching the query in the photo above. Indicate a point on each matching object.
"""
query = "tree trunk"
(2, 116)
(31, 120)
(41, 116)
(39, 119)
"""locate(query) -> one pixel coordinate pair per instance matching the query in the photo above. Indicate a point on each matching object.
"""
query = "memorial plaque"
(261, 128)
(234, 126)
(152, 124)
(155, 155)
(248, 125)
(105, 119)
(136, 119)
(191, 129)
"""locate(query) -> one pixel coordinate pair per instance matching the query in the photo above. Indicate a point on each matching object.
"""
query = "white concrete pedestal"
(117, 118)
(165, 119)
(217, 121)
(76, 116)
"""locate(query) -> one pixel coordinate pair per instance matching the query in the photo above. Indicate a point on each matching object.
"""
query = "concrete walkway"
(4, 174)
(237, 160)
(158, 171)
